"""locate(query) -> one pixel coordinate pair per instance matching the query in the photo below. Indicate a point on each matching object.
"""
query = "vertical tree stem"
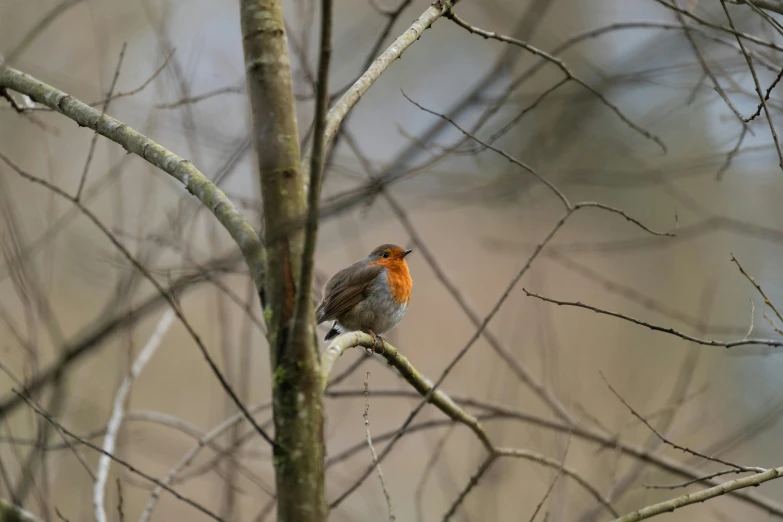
(296, 381)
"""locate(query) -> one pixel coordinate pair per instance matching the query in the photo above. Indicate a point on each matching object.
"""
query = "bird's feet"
(377, 346)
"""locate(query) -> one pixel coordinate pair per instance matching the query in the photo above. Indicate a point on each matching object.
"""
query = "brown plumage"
(371, 295)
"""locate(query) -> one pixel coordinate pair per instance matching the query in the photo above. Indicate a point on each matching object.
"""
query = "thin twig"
(707, 71)
(718, 27)
(472, 483)
(775, 6)
(752, 319)
(732, 153)
(766, 97)
(303, 313)
(772, 323)
(94, 140)
(120, 502)
(674, 445)
(756, 83)
(551, 484)
(693, 481)
(672, 331)
(384, 486)
(509, 157)
(438, 448)
(236, 89)
(767, 300)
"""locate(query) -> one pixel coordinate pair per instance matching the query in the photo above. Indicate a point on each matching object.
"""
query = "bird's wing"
(345, 290)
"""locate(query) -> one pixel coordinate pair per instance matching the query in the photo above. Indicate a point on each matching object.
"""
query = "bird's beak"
(406, 252)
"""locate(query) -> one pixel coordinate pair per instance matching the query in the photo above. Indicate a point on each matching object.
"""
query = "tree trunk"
(296, 380)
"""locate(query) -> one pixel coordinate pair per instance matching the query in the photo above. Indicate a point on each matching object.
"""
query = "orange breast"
(400, 282)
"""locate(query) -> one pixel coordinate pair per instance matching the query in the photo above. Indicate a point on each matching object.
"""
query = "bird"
(371, 295)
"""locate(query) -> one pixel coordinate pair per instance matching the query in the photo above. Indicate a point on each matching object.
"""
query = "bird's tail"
(333, 332)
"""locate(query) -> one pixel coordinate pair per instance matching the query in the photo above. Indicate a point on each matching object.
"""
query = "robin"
(371, 295)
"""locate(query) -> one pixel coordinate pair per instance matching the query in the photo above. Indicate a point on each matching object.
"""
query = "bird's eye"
(385, 254)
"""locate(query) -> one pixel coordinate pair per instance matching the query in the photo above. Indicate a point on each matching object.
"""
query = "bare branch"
(105, 107)
(771, 5)
(392, 53)
(729, 30)
(303, 313)
(677, 446)
(767, 300)
(236, 89)
(389, 507)
(706, 69)
(472, 483)
(706, 342)
(701, 496)
(509, 157)
(756, 83)
(113, 427)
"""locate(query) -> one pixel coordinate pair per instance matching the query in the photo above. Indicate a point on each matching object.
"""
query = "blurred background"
(65, 289)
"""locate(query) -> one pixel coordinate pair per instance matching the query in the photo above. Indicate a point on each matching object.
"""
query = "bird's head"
(390, 256)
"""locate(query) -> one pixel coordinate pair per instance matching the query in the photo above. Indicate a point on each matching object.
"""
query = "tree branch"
(136, 143)
(701, 496)
(672, 331)
(776, 6)
(392, 53)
